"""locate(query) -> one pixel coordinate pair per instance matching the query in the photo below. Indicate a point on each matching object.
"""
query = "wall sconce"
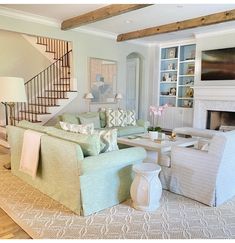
(118, 97)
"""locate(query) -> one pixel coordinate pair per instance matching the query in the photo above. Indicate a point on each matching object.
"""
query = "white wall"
(18, 58)
(85, 46)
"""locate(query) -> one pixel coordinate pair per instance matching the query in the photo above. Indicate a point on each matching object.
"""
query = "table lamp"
(118, 97)
(12, 90)
(89, 97)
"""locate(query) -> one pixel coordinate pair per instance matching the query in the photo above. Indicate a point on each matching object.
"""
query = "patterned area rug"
(177, 218)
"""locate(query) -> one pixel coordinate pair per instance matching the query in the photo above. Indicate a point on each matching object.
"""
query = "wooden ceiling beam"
(100, 14)
(181, 25)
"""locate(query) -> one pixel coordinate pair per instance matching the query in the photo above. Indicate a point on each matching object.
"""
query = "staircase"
(48, 88)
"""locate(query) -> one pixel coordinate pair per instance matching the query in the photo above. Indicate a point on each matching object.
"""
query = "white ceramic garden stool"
(146, 188)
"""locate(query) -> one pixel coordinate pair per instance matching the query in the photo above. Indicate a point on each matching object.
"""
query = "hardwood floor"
(8, 228)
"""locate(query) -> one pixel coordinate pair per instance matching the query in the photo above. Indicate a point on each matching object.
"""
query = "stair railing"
(58, 47)
(44, 89)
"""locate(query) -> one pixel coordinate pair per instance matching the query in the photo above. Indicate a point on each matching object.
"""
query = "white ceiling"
(155, 15)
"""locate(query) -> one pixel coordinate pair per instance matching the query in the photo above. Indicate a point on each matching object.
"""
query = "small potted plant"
(155, 112)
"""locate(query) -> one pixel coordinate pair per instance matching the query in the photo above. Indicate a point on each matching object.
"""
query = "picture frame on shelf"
(172, 91)
(174, 78)
(189, 82)
(171, 52)
(188, 103)
(171, 66)
(165, 76)
(190, 69)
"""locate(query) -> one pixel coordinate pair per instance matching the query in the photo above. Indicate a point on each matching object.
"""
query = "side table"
(146, 188)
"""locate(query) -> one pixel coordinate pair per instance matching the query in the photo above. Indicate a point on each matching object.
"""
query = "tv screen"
(218, 64)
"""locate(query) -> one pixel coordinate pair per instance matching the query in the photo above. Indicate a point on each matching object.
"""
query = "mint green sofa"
(84, 184)
(141, 125)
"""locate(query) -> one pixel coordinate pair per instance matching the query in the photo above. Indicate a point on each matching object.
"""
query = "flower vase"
(153, 135)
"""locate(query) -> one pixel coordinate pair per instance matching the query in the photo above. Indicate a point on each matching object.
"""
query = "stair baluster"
(45, 89)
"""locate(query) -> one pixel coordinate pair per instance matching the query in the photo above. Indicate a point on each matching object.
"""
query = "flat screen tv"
(218, 64)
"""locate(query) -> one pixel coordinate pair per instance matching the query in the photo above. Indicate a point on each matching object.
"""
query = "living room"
(164, 70)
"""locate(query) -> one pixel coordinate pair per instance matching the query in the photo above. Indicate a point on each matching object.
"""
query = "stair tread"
(50, 51)
(43, 105)
(40, 43)
(63, 91)
(45, 97)
(37, 113)
(61, 84)
(23, 118)
(35, 107)
(54, 90)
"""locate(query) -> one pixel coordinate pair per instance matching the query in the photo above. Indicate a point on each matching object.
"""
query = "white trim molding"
(17, 14)
(92, 31)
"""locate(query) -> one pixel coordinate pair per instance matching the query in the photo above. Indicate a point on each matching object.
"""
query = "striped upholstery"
(208, 177)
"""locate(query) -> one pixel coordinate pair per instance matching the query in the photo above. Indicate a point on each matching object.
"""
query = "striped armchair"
(205, 176)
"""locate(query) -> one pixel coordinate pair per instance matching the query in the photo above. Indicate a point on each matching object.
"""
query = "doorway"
(133, 83)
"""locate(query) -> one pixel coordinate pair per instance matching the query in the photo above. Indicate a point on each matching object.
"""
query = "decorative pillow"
(29, 125)
(83, 129)
(115, 118)
(123, 117)
(70, 118)
(65, 126)
(102, 118)
(108, 139)
(90, 117)
(90, 144)
(130, 118)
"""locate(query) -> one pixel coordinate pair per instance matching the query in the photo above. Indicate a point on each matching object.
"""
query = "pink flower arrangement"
(156, 111)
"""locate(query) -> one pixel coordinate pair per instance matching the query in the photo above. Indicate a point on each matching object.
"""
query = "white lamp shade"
(118, 96)
(89, 96)
(12, 89)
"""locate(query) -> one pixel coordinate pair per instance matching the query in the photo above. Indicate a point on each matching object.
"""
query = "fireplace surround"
(211, 98)
(220, 120)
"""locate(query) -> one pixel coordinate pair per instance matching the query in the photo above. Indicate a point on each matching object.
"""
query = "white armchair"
(208, 177)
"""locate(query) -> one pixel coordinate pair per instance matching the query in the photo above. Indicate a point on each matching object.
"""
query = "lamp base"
(7, 166)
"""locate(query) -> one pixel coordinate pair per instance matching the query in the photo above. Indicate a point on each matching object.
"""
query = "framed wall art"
(103, 80)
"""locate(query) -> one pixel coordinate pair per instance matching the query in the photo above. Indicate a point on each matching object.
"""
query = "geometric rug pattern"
(177, 218)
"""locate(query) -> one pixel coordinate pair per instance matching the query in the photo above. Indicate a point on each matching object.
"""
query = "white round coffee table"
(146, 188)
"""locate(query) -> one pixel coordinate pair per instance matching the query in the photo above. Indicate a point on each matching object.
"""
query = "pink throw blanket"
(30, 152)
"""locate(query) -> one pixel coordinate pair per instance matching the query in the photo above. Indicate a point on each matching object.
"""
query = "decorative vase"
(146, 188)
(153, 135)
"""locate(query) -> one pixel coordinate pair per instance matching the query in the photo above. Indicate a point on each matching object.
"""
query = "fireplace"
(212, 98)
(220, 120)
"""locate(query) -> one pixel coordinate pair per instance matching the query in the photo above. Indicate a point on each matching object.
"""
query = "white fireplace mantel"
(214, 93)
(221, 98)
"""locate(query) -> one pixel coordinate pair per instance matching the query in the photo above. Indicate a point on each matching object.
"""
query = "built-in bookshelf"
(177, 70)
